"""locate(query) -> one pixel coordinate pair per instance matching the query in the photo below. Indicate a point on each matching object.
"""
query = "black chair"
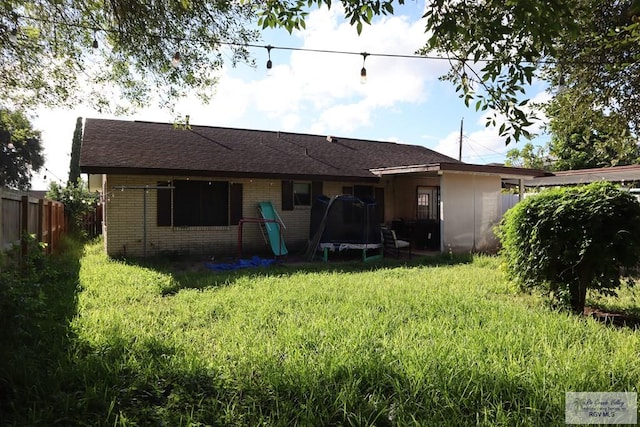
(391, 244)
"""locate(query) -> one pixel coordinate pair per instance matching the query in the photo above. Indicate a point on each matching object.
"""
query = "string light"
(46, 170)
(561, 82)
(269, 63)
(464, 77)
(13, 35)
(268, 47)
(175, 61)
(363, 71)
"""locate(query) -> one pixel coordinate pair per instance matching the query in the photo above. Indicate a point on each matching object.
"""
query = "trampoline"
(344, 223)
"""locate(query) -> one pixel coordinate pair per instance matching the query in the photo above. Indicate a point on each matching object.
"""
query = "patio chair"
(392, 244)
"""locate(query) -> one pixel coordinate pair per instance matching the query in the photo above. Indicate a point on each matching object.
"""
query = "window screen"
(200, 203)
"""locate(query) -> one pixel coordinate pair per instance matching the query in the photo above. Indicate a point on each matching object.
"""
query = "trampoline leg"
(325, 254)
(376, 257)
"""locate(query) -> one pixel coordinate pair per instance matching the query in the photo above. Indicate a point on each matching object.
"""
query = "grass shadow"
(38, 305)
(366, 391)
(192, 272)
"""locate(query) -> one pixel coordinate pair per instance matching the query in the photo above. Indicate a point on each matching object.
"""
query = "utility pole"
(460, 144)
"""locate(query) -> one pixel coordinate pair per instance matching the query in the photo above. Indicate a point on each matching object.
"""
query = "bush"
(21, 295)
(37, 302)
(567, 240)
(77, 199)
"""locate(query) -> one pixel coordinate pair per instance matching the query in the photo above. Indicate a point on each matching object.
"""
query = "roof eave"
(95, 170)
(503, 171)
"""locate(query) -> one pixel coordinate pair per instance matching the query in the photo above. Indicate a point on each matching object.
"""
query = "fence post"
(49, 226)
(41, 222)
(24, 226)
(2, 219)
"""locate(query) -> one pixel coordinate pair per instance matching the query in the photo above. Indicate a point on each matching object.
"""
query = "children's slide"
(273, 230)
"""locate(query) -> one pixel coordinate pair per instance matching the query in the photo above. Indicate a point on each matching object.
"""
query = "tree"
(599, 66)
(568, 240)
(20, 150)
(52, 50)
(496, 48)
(76, 144)
(584, 136)
(530, 156)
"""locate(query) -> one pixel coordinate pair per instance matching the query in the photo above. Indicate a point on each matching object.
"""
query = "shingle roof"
(116, 146)
(621, 174)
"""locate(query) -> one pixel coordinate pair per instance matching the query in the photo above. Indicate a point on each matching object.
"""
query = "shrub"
(77, 200)
(567, 240)
(21, 295)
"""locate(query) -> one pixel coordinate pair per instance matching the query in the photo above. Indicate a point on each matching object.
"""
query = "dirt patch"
(613, 318)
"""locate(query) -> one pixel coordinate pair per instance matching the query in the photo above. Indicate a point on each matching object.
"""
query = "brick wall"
(124, 223)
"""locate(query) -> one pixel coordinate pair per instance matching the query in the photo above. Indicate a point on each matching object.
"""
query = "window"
(427, 202)
(368, 193)
(199, 203)
(302, 194)
(299, 193)
(363, 192)
(423, 205)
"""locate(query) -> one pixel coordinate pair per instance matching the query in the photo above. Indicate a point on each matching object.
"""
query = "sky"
(402, 101)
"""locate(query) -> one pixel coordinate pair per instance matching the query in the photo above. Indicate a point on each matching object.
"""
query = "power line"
(477, 154)
(484, 146)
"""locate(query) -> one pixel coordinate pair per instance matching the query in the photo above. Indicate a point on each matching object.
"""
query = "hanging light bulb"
(363, 71)
(13, 35)
(95, 40)
(175, 61)
(562, 84)
(269, 63)
(464, 78)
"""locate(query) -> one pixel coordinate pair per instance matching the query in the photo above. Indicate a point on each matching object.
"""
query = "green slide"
(273, 230)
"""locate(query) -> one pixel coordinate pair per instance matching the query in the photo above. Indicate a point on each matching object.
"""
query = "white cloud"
(480, 147)
(322, 90)
(486, 145)
(342, 119)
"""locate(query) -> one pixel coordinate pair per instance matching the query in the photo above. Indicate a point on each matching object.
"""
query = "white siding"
(471, 207)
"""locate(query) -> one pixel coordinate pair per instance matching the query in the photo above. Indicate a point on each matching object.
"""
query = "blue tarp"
(255, 261)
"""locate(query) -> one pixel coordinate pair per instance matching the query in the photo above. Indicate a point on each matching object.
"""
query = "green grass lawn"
(430, 344)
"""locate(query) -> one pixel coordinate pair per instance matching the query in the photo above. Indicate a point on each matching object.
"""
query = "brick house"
(215, 176)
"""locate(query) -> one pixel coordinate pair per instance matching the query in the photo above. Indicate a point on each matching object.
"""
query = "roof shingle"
(116, 146)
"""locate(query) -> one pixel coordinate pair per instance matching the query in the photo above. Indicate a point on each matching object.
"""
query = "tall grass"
(37, 304)
(394, 345)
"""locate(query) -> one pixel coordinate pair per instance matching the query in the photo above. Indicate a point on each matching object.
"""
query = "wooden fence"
(22, 214)
(92, 222)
